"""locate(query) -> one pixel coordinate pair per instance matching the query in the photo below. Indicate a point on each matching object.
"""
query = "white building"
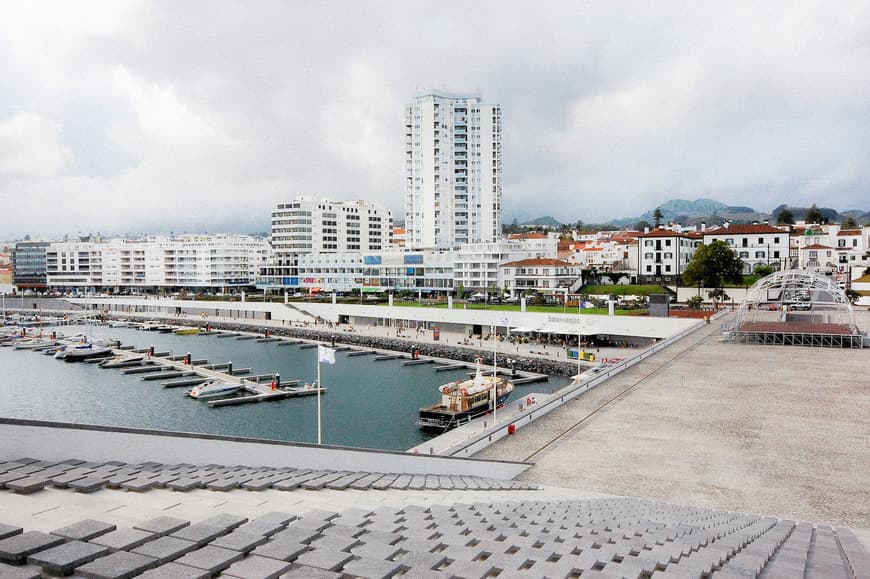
(544, 275)
(453, 170)
(663, 255)
(476, 265)
(756, 244)
(195, 262)
(319, 226)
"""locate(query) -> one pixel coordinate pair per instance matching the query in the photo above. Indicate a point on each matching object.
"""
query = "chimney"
(646, 229)
(755, 222)
(703, 226)
(726, 224)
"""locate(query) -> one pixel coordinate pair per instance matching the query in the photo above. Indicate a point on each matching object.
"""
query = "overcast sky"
(199, 116)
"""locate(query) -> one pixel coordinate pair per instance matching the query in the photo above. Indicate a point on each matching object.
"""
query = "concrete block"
(371, 568)
(124, 539)
(84, 530)
(165, 549)
(162, 525)
(255, 567)
(199, 533)
(282, 549)
(212, 559)
(176, 571)
(28, 484)
(23, 572)
(18, 548)
(240, 540)
(9, 531)
(120, 565)
(306, 572)
(226, 520)
(62, 559)
(324, 559)
(88, 484)
(376, 550)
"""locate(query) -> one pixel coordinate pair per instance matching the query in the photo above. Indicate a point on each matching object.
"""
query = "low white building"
(547, 276)
(663, 255)
(755, 244)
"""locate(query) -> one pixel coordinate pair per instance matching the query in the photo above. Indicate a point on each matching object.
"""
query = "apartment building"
(547, 276)
(756, 244)
(28, 265)
(664, 255)
(318, 226)
(453, 171)
(195, 262)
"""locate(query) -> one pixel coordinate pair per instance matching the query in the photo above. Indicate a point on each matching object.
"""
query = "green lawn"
(515, 308)
(624, 290)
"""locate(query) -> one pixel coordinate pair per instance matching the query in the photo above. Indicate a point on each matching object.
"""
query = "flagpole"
(319, 441)
(494, 374)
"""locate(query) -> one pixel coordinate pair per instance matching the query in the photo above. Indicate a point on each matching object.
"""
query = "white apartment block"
(453, 170)
(476, 265)
(829, 250)
(183, 262)
(663, 255)
(307, 225)
(756, 244)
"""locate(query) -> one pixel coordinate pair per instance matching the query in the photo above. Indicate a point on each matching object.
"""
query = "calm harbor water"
(369, 404)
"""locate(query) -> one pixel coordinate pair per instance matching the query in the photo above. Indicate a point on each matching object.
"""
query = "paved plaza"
(772, 430)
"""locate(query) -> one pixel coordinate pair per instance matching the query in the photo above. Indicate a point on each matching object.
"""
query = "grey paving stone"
(61, 560)
(268, 524)
(185, 483)
(371, 568)
(240, 540)
(124, 539)
(28, 484)
(162, 525)
(165, 549)
(306, 572)
(199, 533)
(120, 565)
(339, 530)
(225, 520)
(139, 483)
(212, 559)
(322, 559)
(311, 524)
(78, 473)
(17, 548)
(10, 477)
(84, 530)
(176, 571)
(88, 484)
(377, 550)
(471, 569)
(421, 559)
(9, 531)
(297, 534)
(283, 549)
(255, 567)
(23, 572)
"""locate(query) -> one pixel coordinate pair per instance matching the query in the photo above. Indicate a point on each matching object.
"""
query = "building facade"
(320, 226)
(755, 244)
(453, 171)
(29, 266)
(664, 255)
(546, 276)
(187, 262)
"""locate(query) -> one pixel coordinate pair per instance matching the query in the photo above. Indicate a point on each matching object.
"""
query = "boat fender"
(445, 389)
(463, 391)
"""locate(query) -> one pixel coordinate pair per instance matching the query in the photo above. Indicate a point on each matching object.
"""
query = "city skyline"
(201, 117)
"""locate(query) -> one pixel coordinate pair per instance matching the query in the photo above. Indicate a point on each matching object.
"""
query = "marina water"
(369, 404)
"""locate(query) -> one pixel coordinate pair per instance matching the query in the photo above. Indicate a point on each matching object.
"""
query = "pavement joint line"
(45, 510)
(172, 506)
(115, 508)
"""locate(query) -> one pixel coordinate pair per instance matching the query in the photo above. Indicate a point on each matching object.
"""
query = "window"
(729, 241)
(668, 242)
(648, 255)
(648, 243)
(667, 268)
(759, 254)
(776, 255)
(760, 241)
(744, 255)
(776, 239)
(649, 268)
(669, 255)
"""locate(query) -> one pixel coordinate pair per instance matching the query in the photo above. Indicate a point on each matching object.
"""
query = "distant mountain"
(711, 211)
(545, 221)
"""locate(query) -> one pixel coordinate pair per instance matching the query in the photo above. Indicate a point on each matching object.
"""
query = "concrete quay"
(774, 430)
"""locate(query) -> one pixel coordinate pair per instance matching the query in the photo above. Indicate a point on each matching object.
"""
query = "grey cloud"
(202, 115)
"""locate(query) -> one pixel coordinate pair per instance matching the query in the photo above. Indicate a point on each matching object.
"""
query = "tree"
(695, 302)
(814, 215)
(712, 265)
(762, 270)
(849, 223)
(785, 216)
(657, 216)
(642, 225)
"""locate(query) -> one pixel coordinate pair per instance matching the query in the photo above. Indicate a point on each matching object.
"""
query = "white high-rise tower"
(453, 170)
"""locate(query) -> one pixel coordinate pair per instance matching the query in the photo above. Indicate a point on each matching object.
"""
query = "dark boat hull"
(439, 419)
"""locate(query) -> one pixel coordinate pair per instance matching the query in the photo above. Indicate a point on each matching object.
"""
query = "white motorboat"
(213, 389)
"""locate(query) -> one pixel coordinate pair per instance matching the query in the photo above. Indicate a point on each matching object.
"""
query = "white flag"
(325, 355)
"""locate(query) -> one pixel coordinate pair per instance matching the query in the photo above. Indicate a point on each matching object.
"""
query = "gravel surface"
(772, 430)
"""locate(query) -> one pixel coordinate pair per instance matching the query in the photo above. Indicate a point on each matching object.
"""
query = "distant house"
(663, 255)
(545, 275)
(755, 244)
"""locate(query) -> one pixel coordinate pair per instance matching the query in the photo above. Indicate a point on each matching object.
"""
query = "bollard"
(511, 428)
(230, 368)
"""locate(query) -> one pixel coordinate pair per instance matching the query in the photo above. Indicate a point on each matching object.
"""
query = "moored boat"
(464, 400)
(186, 331)
(212, 389)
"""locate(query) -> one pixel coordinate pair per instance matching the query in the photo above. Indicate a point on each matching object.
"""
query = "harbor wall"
(58, 441)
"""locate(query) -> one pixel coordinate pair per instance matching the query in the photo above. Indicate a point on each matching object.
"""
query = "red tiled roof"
(530, 235)
(845, 232)
(662, 233)
(744, 230)
(538, 261)
(816, 246)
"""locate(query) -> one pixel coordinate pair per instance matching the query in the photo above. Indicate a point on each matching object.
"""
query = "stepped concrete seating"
(30, 475)
(614, 537)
